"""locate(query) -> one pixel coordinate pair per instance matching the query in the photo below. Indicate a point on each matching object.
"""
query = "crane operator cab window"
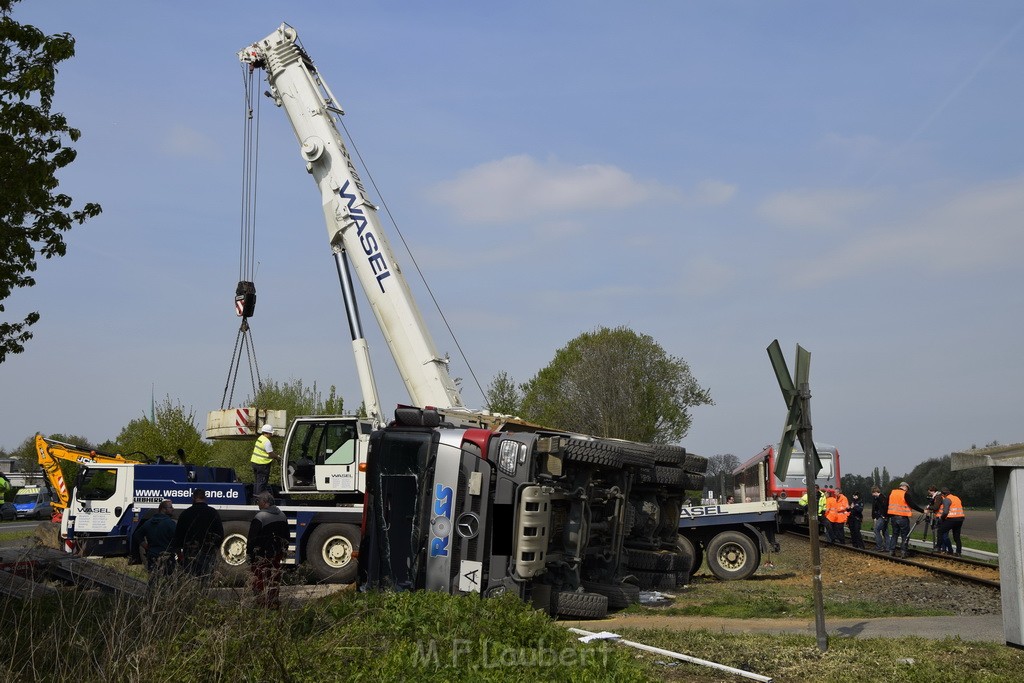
(318, 450)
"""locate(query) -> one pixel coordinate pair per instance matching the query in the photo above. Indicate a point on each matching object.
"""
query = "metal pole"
(807, 442)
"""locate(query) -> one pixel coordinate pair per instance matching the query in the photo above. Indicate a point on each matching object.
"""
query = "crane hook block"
(245, 299)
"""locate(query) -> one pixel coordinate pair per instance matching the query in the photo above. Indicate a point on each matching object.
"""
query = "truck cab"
(323, 455)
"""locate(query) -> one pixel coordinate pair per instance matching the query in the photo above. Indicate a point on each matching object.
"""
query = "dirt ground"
(846, 576)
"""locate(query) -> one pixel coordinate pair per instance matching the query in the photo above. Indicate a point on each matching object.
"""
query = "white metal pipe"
(674, 655)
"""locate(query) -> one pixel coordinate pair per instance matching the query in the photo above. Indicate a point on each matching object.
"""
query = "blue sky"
(846, 175)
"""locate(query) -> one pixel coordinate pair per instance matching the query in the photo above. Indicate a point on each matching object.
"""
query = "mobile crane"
(571, 522)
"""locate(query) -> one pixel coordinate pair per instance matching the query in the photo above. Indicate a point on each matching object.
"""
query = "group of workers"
(944, 513)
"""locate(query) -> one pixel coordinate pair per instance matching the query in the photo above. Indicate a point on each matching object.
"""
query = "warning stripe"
(242, 420)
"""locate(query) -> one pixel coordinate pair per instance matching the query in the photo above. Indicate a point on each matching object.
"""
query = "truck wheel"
(593, 453)
(232, 561)
(684, 560)
(329, 553)
(732, 556)
(668, 454)
(694, 482)
(620, 595)
(650, 560)
(579, 605)
(654, 581)
(698, 558)
(697, 464)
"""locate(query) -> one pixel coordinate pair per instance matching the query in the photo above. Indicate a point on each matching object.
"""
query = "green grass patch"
(15, 535)
(788, 658)
(178, 635)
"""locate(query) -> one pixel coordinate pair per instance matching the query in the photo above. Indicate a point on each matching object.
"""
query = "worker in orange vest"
(838, 511)
(900, 511)
(951, 518)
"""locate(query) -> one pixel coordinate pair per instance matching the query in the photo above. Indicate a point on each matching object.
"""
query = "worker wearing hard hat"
(262, 456)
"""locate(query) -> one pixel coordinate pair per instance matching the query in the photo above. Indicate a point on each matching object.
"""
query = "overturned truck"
(573, 524)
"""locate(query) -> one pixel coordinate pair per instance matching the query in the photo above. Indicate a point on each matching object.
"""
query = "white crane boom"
(353, 226)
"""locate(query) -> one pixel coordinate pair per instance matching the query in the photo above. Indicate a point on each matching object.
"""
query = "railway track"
(962, 569)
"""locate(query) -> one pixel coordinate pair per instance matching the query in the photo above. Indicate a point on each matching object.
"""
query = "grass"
(426, 637)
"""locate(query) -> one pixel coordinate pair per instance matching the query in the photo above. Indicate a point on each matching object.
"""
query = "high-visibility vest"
(898, 503)
(956, 508)
(831, 504)
(259, 451)
(842, 509)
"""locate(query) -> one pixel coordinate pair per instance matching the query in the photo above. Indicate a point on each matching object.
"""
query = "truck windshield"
(399, 482)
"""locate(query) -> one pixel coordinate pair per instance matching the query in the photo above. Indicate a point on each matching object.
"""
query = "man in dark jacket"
(198, 536)
(856, 520)
(266, 546)
(880, 518)
(154, 538)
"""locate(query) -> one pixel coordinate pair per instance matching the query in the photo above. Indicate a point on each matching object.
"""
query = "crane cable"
(245, 291)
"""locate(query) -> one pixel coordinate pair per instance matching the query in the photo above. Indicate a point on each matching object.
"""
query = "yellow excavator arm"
(48, 452)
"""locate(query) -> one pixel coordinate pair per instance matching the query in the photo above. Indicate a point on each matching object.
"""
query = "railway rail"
(960, 568)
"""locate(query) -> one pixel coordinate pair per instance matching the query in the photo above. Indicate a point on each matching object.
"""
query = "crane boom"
(353, 225)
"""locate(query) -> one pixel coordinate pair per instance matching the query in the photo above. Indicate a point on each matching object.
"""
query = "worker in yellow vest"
(951, 518)
(900, 512)
(262, 456)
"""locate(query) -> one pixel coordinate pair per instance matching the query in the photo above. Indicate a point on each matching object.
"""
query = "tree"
(173, 428)
(32, 149)
(503, 396)
(719, 473)
(615, 383)
(297, 399)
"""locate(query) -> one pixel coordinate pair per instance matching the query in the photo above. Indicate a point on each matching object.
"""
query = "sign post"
(796, 391)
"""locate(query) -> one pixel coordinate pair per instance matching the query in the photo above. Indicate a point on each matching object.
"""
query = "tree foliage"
(33, 215)
(298, 399)
(172, 429)
(615, 383)
(719, 474)
(503, 396)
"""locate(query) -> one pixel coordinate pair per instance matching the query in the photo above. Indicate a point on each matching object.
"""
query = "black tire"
(698, 558)
(329, 553)
(654, 581)
(620, 595)
(579, 605)
(633, 453)
(696, 464)
(733, 556)
(694, 482)
(593, 453)
(668, 454)
(232, 562)
(661, 475)
(685, 555)
(650, 560)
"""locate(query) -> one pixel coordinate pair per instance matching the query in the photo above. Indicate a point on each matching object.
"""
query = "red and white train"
(755, 479)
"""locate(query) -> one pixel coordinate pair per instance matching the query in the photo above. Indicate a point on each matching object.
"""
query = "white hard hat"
(267, 429)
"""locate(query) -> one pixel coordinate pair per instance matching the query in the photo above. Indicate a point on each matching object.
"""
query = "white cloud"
(819, 209)
(521, 188)
(979, 228)
(713, 193)
(186, 143)
(704, 275)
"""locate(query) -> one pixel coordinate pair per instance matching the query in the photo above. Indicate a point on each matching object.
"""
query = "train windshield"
(796, 466)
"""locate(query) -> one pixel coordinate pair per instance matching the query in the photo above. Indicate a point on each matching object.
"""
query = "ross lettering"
(441, 525)
(443, 501)
(439, 547)
(371, 247)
